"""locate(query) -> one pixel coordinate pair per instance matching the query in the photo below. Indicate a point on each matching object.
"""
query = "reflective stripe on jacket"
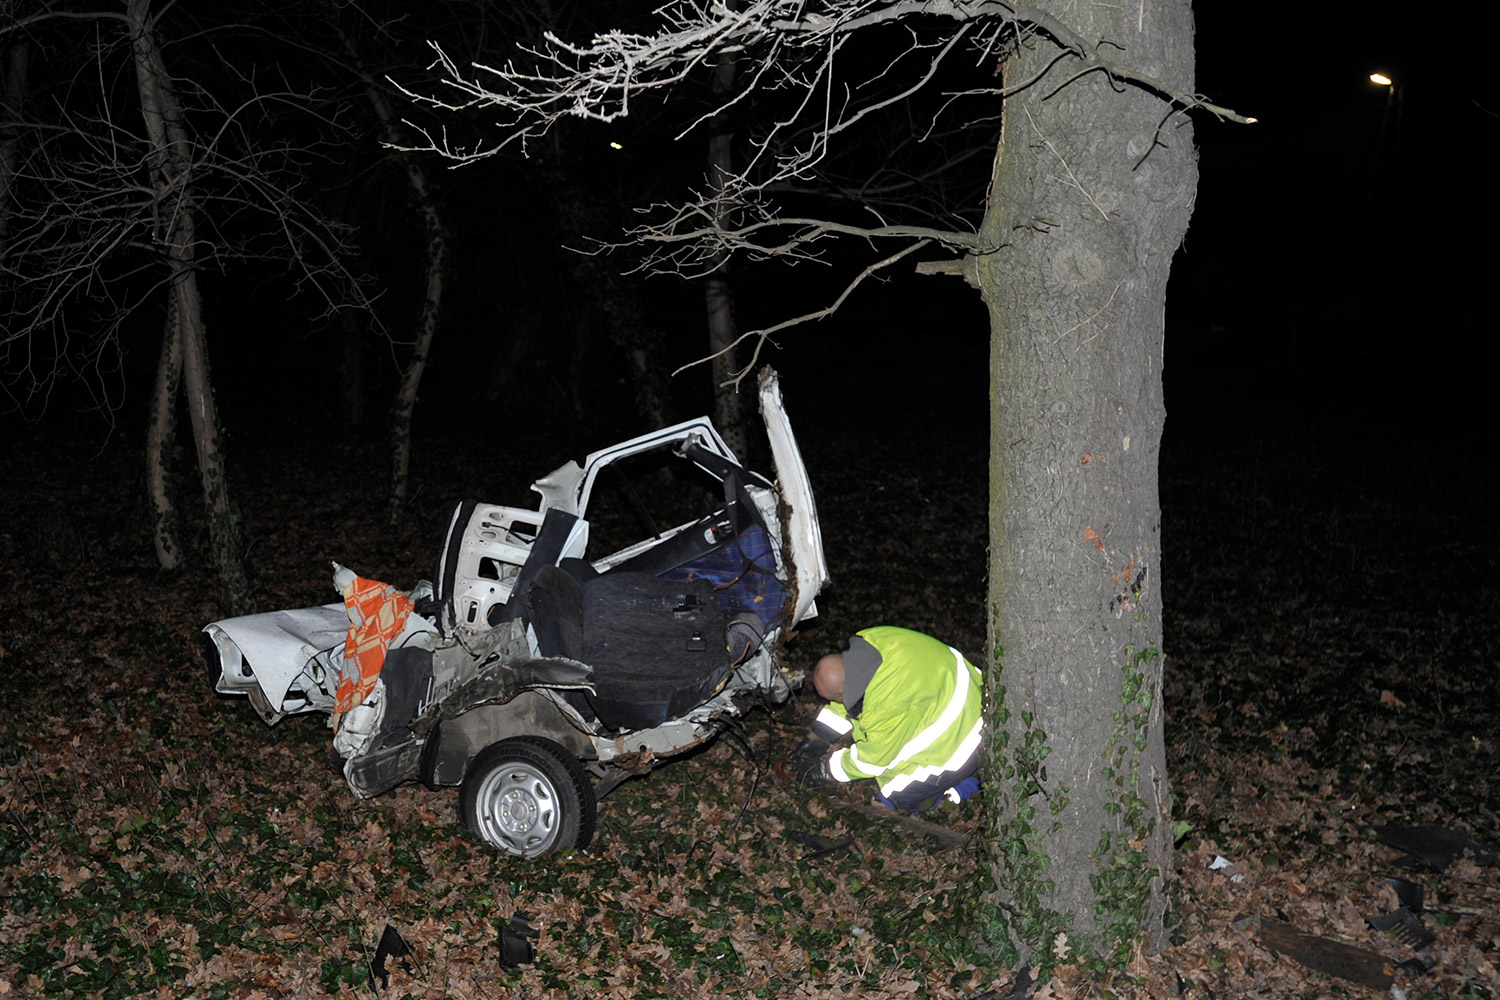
(921, 715)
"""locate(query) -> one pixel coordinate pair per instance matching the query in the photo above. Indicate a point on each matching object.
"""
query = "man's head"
(828, 677)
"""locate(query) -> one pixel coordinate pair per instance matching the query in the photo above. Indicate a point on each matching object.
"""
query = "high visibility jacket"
(921, 714)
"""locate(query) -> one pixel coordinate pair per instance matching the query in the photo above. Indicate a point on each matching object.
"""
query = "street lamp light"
(1382, 80)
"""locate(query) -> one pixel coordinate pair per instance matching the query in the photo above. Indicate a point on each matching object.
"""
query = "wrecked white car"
(541, 668)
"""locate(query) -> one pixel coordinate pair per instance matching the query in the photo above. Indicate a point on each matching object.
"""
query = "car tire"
(528, 796)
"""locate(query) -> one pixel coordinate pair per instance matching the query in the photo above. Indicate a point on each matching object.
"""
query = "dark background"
(1335, 270)
(1329, 300)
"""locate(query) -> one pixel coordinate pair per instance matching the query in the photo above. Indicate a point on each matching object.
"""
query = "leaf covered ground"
(1330, 643)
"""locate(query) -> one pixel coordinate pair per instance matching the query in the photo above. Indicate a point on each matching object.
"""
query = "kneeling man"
(913, 708)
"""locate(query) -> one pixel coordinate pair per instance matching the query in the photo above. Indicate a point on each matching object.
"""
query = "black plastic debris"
(1435, 845)
(821, 846)
(1415, 968)
(1408, 894)
(1022, 986)
(392, 945)
(516, 948)
(1404, 926)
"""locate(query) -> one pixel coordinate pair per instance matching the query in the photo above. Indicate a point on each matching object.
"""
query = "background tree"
(144, 176)
(555, 309)
(730, 409)
(1090, 185)
(356, 50)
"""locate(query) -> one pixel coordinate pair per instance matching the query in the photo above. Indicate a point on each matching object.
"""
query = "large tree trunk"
(1089, 201)
(171, 172)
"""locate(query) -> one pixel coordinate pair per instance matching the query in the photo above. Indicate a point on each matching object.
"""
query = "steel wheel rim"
(518, 809)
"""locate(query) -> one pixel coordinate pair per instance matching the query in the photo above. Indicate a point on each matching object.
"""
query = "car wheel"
(528, 796)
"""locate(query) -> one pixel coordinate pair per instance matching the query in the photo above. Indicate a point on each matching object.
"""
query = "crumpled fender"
(278, 645)
(503, 680)
(494, 706)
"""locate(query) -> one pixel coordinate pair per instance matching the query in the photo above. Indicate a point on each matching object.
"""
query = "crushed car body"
(546, 662)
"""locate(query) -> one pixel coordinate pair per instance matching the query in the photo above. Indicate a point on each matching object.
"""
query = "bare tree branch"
(89, 213)
(817, 71)
(762, 335)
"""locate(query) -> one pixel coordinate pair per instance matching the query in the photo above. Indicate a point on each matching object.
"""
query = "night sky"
(1335, 274)
(1339, 258)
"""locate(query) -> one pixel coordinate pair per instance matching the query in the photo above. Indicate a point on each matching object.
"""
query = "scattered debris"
(1335, 958)
(516, 948)
(1415, 968)
(821, 846)
(392, 945)
(1221, 863)
(1435, 845)
(1408, 893)
(1404, 926)
(1020, 988)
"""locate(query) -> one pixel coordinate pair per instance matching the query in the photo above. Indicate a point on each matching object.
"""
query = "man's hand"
(810, 762)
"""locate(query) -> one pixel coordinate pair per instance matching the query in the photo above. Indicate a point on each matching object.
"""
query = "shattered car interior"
(543, 664)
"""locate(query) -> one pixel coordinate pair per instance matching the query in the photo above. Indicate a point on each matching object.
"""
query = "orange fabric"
(377, 614)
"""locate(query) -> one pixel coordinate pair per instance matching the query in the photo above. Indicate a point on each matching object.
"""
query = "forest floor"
(1331, 637)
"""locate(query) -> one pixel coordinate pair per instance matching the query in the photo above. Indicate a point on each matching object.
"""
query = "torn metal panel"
(804, 537)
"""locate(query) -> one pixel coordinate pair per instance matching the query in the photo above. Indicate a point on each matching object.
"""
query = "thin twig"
(1096, 314)
(763, 334)
(1071, 176)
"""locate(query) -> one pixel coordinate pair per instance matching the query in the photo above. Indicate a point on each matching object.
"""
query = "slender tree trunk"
(435, 237)
(223, 520)
(16, 60)
(729, 402)
(172, 176)
(427, 324)
(608, 306)
(161, 430)
(1091, 194)
(730, 409)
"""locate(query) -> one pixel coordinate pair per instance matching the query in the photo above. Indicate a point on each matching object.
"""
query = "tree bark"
(161, 429)
(1091, 193)
(171, 171)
